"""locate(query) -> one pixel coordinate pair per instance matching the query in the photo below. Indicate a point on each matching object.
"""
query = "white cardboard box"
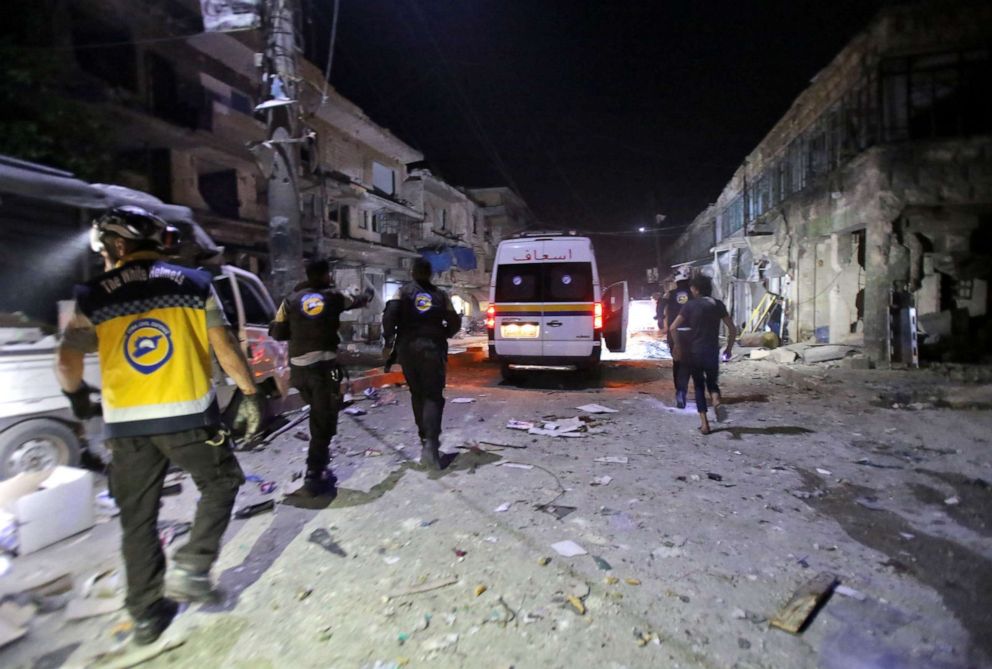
(62, 506)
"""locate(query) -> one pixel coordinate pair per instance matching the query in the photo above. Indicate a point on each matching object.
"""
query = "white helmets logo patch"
(423, 302)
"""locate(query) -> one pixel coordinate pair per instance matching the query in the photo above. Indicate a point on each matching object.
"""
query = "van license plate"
(519, 330)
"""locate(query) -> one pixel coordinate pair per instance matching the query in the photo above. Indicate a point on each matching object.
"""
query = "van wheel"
(35, 445)
(508, 374)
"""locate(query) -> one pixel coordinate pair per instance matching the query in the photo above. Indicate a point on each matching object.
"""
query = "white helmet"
(683, 273)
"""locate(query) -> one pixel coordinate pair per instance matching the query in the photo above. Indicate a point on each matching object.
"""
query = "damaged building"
(867, 209)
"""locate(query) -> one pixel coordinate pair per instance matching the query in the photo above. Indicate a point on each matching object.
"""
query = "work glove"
(82, 406)
(249, 416)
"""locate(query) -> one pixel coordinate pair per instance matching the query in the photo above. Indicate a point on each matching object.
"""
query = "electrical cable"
(330, 52)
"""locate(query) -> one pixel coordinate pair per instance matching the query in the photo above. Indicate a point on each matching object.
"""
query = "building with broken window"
(869, 203)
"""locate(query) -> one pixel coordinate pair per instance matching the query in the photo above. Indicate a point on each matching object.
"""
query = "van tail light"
(491, 318)
(597, 316)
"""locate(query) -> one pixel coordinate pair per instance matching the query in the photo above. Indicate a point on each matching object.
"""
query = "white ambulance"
(546, 306)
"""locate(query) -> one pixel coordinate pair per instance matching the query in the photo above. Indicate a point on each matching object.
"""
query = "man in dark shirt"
(698, 329)
(309, 319)
(419, 322)
(670, 309)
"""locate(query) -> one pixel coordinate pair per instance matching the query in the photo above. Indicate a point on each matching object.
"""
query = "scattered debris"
(868, 463)
(322, 538)
(426, 587)
(516, 465)
(355, 411)
(632, 581)
(601, 480)
(577, 604)
(610, 580)
(303, 593)
(504, 507)
(644, 638)
(613, 459)
(391, 559)
(544, 561)
(255, 509)
(907, 536)
(267, 487)
(952, 501)
(519, 425)
(462, 400)
(170, 530)
(439, 643)
(823, 472)
(479, 589)
(850, 592)
(372, 452)
(713, 477)
(596, 408)
(601, 563)
(568, 548)
(555, 510)
(869, 502)
(794, 616)
(459, 552)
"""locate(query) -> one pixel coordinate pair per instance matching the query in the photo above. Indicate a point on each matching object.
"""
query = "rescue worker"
(418, 324)
(697, 329)
(670, 308)
(153, 325)
(309, 319)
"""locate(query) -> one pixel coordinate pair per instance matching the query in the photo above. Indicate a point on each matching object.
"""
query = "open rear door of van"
(615, 301)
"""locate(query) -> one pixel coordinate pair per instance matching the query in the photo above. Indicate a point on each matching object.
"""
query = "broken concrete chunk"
(800, 607)
(568, 548)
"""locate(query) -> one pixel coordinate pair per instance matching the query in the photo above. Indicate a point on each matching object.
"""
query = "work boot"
(149, 627)
(680, 399)
(430, 455)
(188, 585)
(316, 482)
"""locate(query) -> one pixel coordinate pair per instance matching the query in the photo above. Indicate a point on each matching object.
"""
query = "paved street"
(692, 543)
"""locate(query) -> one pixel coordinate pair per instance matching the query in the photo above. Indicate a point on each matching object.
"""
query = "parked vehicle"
(37, 428)
(547, 309)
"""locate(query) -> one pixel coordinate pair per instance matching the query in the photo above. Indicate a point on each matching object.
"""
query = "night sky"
(590, 110)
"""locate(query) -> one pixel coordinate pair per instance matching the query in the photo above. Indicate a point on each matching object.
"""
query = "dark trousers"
(137, 471)
(705, 373)
(424, 363)
(680, 370)
(320, 386)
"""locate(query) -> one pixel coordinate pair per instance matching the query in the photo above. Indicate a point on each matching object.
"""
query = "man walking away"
(418, 323)
(698, 330)
(671, 308)
(153, 325)
(309, 319)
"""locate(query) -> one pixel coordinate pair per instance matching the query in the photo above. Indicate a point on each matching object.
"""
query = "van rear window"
(568, 282)
(518, 283)
(545, 282)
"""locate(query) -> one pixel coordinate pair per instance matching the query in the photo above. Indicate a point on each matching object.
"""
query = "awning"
(464, 257)
(445, 257)
(44, 183)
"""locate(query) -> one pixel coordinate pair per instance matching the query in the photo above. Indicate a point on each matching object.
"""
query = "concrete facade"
(873, 192)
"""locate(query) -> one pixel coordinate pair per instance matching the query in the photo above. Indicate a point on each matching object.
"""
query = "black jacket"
(310, 317)
(420, 310)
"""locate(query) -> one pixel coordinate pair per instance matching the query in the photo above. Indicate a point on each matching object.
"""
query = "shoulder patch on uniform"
(682, 298)
(423, 301)
(147, 344)
(312, 304)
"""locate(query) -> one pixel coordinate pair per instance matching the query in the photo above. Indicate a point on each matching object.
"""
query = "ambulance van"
(546, 306)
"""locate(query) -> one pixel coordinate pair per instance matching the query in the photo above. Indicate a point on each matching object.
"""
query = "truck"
(45, 218)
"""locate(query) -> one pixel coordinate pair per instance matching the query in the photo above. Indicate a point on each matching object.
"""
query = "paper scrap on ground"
(462, 400)
(596, 408)
(519, 424)
(602, 480)
(613, 459)
(505, 506)
(516, 465)
(568, 548)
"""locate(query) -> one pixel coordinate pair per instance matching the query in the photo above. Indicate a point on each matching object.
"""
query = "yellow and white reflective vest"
(151, 324)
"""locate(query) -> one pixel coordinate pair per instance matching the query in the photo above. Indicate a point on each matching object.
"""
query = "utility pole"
(658, 218)
(283, 120)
